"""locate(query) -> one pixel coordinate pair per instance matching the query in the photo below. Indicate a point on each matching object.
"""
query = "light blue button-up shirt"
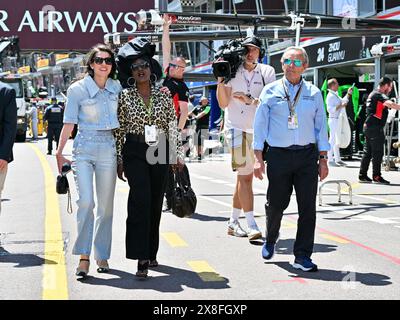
(271, 119)
(90, 107)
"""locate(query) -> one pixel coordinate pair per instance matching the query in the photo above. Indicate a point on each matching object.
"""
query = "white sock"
(250, 220)
(235, 214)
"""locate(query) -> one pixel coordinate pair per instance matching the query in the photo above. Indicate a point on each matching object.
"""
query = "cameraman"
(239, 99)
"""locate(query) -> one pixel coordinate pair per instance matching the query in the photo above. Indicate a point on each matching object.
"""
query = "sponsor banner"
(334, 51)
(24, 69)
(61, 56)
(42, 63)
(67, 25)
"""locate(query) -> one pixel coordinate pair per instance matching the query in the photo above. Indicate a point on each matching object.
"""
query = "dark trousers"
(53, 132)
(373, 149)
(169, 186)
(147, 185)
(287, 169)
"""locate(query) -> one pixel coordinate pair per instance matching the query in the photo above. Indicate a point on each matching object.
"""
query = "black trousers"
(147, 185)
(287, 169)
(53, 132)
(373, 149)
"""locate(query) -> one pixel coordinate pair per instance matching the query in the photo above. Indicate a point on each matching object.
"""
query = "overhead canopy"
(3, 45)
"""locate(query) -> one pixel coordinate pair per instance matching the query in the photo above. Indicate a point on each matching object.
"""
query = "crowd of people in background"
(132, 117)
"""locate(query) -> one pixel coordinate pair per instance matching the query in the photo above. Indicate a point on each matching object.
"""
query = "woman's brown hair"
(92, 54)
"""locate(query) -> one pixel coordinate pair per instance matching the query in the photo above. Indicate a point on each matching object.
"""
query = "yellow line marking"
(205, 271)
(353, 186)
(333, 238)
(174, 239)
(54, 283)
(288, 225)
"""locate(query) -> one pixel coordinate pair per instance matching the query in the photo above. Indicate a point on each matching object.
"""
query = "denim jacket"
(90, 107)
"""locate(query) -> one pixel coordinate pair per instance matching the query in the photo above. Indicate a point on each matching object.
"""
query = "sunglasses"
(175, 66)
(98, 60)
(144, 65)
(297, 62)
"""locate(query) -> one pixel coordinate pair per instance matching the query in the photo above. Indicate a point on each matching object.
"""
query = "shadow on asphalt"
(23, 260)
(347, 277)
(373, 207)
(285, 246)
(162, 279)
(203, 217)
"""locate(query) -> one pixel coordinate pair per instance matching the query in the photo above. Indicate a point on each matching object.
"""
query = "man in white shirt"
(33, 114)
(335, 105)
(239, 99)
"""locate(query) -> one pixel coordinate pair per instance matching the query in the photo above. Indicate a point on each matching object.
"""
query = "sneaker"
(268, 250)
(234, 229)
(49, 152)
(341, 163)
(305, 264)
(166, 207)
(253, 233)
(379, 179)
(364, 179)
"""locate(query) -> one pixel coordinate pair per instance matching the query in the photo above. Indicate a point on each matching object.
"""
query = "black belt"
(298, 147)
(132, 137)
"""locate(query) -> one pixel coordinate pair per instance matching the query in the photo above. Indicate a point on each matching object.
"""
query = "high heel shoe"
(82, 272)
(142, 268)
(153, 263)
(103, 266)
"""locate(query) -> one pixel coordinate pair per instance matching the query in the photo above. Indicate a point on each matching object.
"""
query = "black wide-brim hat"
(140, 47)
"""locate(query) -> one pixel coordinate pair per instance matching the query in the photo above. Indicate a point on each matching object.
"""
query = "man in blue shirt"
(292, 120)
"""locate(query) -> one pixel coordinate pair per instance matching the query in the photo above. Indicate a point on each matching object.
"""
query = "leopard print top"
(133, 115)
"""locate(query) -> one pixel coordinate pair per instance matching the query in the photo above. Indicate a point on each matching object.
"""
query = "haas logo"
(321, 54)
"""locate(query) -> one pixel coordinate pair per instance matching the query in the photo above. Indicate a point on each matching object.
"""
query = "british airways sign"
(67, 25)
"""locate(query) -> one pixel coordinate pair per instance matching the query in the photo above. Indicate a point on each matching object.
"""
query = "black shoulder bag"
(184, 199)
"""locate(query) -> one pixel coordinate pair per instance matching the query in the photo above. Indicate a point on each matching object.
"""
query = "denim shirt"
(90, 107)
(271, 120)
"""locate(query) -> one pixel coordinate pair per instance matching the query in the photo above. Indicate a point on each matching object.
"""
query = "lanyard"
(148, 108)
(248, 82)
(292, 105)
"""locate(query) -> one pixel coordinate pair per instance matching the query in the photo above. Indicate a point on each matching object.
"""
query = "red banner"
(67, 24)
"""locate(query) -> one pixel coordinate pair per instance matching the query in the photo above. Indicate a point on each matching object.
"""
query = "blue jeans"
(94, 153)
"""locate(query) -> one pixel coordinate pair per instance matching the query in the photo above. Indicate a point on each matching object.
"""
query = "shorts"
(240, 146)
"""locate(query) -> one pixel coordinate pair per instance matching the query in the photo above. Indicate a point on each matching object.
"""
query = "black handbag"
(62, 185)
(184, 199)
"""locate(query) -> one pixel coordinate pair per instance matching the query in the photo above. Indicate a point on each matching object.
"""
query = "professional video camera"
(232, 54)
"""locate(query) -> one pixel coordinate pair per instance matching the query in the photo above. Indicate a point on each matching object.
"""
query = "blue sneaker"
(305, 264)
(268, 250)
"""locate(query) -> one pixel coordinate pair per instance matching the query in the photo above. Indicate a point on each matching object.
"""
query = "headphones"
(253, 40)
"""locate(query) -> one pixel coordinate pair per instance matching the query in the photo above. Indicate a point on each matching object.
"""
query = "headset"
(253, 40)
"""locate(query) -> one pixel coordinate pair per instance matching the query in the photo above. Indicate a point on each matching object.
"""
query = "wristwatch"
(323, 156)
(252, 99)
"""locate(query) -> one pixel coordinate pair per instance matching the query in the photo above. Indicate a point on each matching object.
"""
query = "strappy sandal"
(102, 266)
(153, 263)
(82, 272)
(142, 268)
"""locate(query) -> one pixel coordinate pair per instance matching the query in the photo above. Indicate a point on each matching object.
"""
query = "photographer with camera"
(240, 81)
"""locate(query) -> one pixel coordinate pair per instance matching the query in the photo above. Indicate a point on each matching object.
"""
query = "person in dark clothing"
(8, 130)
(202, 115)
(147, 122)
(377, 112)
(174, 69)
(54, 116)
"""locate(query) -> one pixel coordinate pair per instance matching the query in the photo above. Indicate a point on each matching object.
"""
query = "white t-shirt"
(332, 101)
(238, 115)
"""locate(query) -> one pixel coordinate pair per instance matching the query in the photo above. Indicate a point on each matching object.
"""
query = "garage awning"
(3, 45)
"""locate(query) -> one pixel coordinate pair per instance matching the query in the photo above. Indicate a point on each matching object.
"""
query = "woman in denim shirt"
(92, 104)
